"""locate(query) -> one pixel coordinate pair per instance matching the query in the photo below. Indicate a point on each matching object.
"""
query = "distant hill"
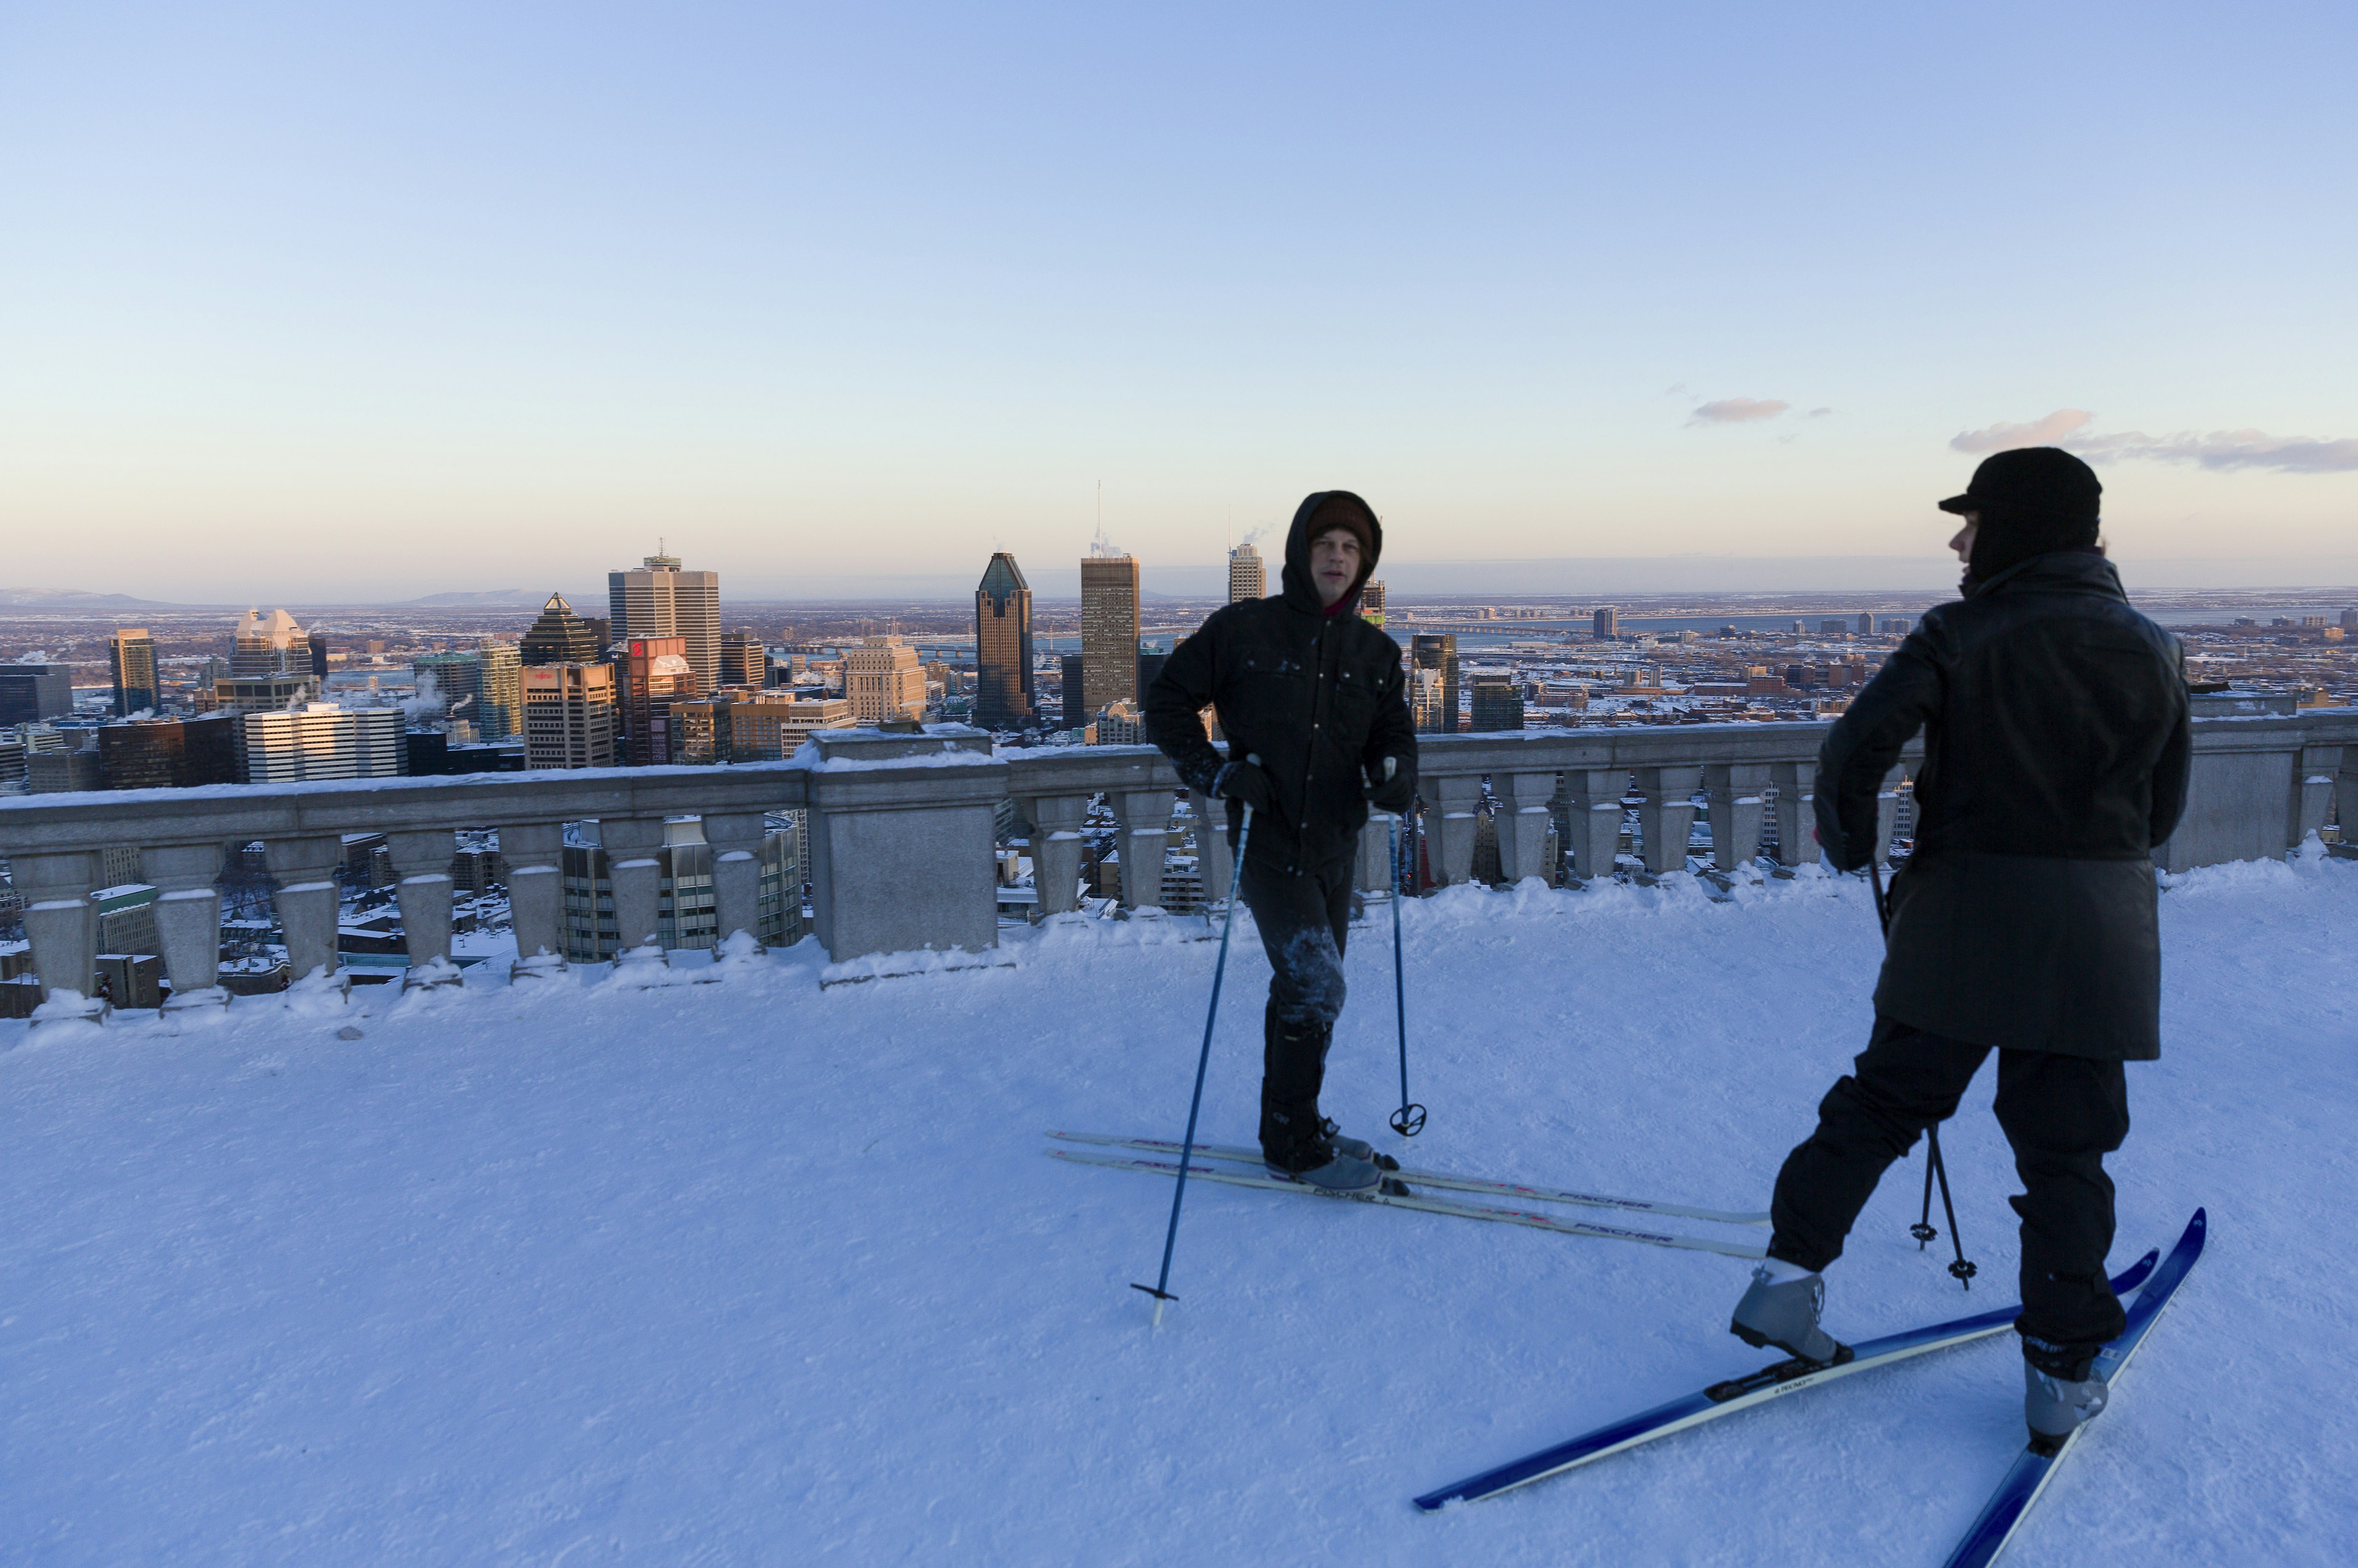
(489, 599)
(74, 599)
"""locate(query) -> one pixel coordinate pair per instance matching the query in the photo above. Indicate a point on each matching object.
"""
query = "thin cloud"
(1820, 412)
(2220, 450)
(2047, 432)
(1737, 411)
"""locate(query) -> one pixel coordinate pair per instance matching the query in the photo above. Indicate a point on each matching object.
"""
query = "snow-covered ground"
(759, 1271)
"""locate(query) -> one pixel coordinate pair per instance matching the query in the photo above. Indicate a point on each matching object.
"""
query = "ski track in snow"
(758, 1272)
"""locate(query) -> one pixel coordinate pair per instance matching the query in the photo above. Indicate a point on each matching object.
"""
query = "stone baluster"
(62, 925)
(1593, 806)
(736, 840)
(534, 853)
(1797, 822)
(1458, 797)
(1667, 817)
(1523, 822)
(633, 847)
(1735, 790)
(305, 871)
(187, 920)
(1056, 822)
(1143, 818)
(2319, 768)
(421, 859)
(1370, 867)
(1887, 814)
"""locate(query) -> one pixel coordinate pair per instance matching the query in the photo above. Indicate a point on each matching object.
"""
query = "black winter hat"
(2032, 501)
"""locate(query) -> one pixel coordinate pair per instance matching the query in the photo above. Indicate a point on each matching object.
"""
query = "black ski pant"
(2063, 1115)
(1305, 918)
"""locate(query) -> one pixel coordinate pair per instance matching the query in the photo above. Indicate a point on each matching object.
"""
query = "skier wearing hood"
(1312, 703)
(2055, 761)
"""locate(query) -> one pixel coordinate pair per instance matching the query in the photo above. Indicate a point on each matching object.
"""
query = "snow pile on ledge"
(763, 1272)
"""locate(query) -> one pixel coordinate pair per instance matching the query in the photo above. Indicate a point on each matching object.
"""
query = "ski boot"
(1294, 1148)
(1781, 1309)
(1357, 1148)
(2054, 1401)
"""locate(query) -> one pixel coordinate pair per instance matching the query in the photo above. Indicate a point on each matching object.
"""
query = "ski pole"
(1935, 1168)
(1160, 1289)
(1409, 1120)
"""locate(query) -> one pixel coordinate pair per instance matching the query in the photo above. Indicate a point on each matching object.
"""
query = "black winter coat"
(1315, 697)
(2055, 761)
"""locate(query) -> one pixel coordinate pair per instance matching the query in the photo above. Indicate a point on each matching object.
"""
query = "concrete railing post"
(1458, 799)
(1797, 822)
(1887, 814)
(736, 840)
(1370, 867)
(1144, 817)
(188, 921)
(305, 871)
(1735, 790)
(534, 853)
(633, 847)
(2319, 768)
(421, 859)
(1057, 823)
(62, 925)
(1593, 806)
(1667, 818)
(1523, 821)
(1215, 859)
(901, 857)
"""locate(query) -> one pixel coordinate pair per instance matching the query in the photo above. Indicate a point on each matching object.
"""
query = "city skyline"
(1592, 285)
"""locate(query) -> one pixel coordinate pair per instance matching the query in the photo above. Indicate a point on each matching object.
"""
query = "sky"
(362, 303)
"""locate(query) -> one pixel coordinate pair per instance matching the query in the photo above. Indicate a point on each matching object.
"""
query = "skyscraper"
(1076, 715)
(273, 647)
(1497, 705)
(1371, 603)
(1002, 647)
(131, 656)
(457, 680)
(884, 681)
(320, 741)
(318, 644)
(500, 705)
(1109, 628)
(744, 660)
(1437, 651)
(559, 637)
(655, 673)
(30, 693)
(569, 716)
(1246, 576)
(1605, 624)
(1150, 665)
(658, 600)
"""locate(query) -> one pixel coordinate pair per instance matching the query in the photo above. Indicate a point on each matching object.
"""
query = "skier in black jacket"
(2055, 761)
(1312, 701)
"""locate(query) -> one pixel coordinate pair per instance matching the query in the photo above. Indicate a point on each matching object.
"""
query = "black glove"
(1390, 787)
(1244, 781)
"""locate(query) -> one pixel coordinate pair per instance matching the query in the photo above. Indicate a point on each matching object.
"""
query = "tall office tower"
(500, 706)
(131, 656)
(601, 628)
(1425, 700)
(1371, 603)
(1246, 578)
(1002, 647)
(655, 673)
(30, 693)
(1150, 665)
(1866, 625)
(320, 741)
(317, 643)
(260, 694)
(1605, 624)
(1077, 714)
(569, 715)
(658, 600)
(560, 637)
(744, 660)
(457, 679)
(1109, 628)
(883, 681)
(1437, 651)
(1497, 705)
(273, 647)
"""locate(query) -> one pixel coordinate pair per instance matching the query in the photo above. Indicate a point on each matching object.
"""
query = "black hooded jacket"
(1316, 696)
(2056, 752)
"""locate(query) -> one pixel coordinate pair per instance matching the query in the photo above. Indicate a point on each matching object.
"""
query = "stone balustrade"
(903, 829)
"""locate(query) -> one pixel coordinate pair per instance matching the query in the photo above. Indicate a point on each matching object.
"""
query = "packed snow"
(768, 1271)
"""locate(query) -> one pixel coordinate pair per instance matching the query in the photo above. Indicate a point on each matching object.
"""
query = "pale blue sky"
(366, 302)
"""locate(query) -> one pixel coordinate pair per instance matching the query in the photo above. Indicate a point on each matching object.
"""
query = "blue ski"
(1737, 1394)
(2003, 1514)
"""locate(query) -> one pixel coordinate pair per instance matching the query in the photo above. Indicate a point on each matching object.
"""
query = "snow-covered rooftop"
(763, 1271)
